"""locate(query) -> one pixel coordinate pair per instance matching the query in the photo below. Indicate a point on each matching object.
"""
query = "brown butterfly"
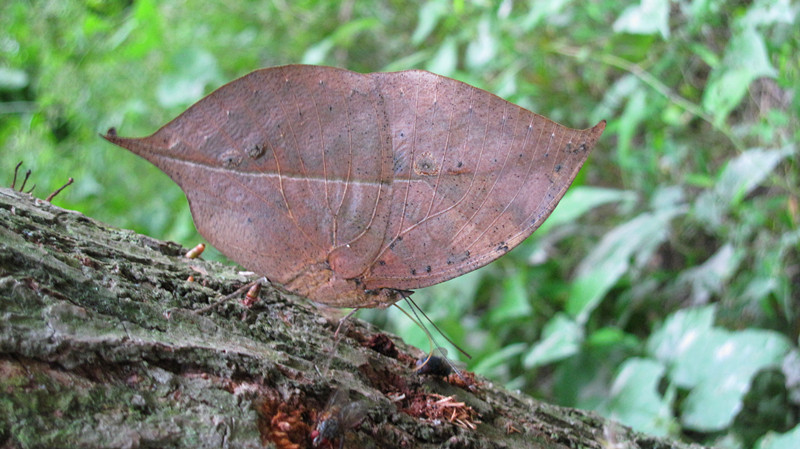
(351, 189)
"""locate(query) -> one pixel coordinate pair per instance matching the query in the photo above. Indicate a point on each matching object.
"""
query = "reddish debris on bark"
(432, 407)
(283, 423)
(381, 343)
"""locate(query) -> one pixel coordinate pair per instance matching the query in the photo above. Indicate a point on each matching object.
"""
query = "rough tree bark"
(101, 348)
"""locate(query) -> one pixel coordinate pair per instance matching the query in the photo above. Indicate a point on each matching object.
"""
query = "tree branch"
(100, 347)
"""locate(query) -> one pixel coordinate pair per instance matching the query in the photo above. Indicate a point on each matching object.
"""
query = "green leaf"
(745, 60)
(445, 61)
(678, 331)
(499, 359)
(773, 440)
(144, 29)
(429, 16)
(483, 48)
(514, 304)
(747, 171)
(317, 53)
(581, 199)
(541, 11)
(612, 257)
(194, 70)
(561, 338)
(648, 17)
(715, 365)
(629, 126)
(724, 364)
(769, 12)
(634, 399)
(737, 180)
(710, 277)
(344, 36)
(461, 289)
(12, 79)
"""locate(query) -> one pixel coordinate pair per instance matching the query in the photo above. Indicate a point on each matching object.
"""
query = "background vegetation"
(664, 291)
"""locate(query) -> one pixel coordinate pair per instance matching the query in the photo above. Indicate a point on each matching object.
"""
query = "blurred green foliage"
(665, 289)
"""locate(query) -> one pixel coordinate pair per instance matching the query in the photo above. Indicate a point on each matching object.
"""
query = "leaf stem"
(650, 80)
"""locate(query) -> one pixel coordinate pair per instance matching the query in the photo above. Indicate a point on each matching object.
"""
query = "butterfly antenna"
(434, 344)
(415, 308)
(431, 343)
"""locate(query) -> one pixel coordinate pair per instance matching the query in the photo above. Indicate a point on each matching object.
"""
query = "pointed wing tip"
(600, 127)
(111, 135)
(124, 142)
(596, 131)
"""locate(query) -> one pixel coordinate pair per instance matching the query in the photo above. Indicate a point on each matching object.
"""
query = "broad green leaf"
(577, 201)
(745, 60)
(648, 17)
(724, 363)
(769, 12)
(542, 11)
(483, 48)
(195, 69)
(612, 258)
(635, 112)
(667, 197)
(344, 36)
(634, 399)
(678, 332)
(445, 61)
(317, 53)
(144, 30)
(614, 96)
(499, 359)
(514, 304)
(713, 364)
(12, 79)
(462, 290)
(773, 440)
(706, 54)
(747, 171)
(561, 338)
(711, 276)
(581, 199)
(737, 180)
(429, 16)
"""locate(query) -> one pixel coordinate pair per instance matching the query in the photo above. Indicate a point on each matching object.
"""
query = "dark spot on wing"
(230, 159)
(426, 165)
(256, 151)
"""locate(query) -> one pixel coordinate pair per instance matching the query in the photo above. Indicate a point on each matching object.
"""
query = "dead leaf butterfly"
(351, 189)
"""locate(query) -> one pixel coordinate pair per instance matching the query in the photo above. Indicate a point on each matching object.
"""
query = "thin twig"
(25, 181)
(53, 195)
(16, 169)
(650, 80)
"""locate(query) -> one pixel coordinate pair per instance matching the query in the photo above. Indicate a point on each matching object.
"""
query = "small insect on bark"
(340, 415)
